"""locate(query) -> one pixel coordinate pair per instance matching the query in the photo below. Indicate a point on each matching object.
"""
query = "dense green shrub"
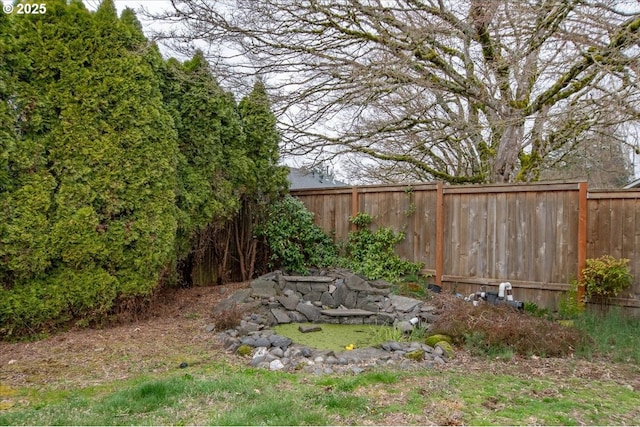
(90, 210)
(295, 242)
(7, 131)
(112, 163)
(606, 276)
(267, 181)
(209, 139)
(371, 253)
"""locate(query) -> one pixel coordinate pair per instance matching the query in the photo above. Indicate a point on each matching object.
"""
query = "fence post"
(354, 206)
(582, 237)
(439, 232)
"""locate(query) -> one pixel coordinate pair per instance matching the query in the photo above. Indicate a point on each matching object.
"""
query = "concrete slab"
(313, 279)
(404, 304)
(348, 312)
(263, 288)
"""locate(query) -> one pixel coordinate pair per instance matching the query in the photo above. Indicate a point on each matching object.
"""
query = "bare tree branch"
(479, 91)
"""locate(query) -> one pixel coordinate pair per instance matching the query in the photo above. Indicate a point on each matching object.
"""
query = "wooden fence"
(536, 236)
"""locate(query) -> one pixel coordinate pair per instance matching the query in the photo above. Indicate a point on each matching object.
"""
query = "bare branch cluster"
(476, 91)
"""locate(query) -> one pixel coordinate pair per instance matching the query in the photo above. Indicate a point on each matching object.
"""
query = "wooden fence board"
(464, 239)
(569, 250)
(629, 230)
(502, 250)
(425, 224)
(614, 223)
(451, 235)
(520, 246)
(604, 237)
(491, 241)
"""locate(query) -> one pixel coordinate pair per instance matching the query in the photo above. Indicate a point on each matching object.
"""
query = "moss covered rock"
(416, 355)
(434, 339)
(447, 348)
(244, 350)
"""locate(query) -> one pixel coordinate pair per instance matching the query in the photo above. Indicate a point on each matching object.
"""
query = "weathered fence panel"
(536, 236)
(614, 229)
(332, 208)
(526, 235)
(410, 209)
(502, 233)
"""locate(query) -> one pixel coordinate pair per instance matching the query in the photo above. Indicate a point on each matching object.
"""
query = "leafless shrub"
(229, 318)
(487, 327)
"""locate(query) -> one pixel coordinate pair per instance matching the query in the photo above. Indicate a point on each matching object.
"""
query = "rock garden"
(335, 297)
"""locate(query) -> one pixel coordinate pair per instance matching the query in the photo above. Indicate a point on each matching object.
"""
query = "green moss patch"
(337, 337)
(435, 339)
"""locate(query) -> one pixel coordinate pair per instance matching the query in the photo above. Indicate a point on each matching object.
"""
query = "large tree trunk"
(509, 147)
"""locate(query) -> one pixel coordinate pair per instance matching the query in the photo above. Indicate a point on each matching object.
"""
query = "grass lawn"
(221, 394)
(130, 375)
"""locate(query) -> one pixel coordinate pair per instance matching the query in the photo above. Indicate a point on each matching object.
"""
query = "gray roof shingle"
(304, 178)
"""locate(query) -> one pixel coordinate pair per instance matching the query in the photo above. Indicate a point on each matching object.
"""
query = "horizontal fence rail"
(536, 236)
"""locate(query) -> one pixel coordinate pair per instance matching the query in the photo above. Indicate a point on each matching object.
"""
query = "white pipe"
(475, 297)
(505, 286)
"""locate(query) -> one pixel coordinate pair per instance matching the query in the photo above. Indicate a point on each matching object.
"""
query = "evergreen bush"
(112, 161)
(295, 242)
(372, 254)
(606, 276)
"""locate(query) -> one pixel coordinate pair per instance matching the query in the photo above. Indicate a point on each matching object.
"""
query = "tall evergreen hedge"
(111, 161)
(210, 136)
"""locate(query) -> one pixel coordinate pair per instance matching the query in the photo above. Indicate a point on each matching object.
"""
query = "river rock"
(280, 316)
(309, 310)
(305, 329)
(276, 365)
(357, 283)
(289, 302)
(327, 299)
(404, 326)
(263, 288)
(404, 304)
(277, 352)
(280, 341)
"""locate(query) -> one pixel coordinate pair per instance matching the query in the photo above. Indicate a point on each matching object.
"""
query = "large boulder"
(263, 288)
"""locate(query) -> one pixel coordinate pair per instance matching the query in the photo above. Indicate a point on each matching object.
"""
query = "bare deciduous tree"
(463, 91)
(601, 161)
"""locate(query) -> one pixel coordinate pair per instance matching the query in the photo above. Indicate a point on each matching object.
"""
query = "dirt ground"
(175, 331)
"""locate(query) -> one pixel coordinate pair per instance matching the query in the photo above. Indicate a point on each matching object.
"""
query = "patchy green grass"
(224, 395)
(92, 379)
(614, 335)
